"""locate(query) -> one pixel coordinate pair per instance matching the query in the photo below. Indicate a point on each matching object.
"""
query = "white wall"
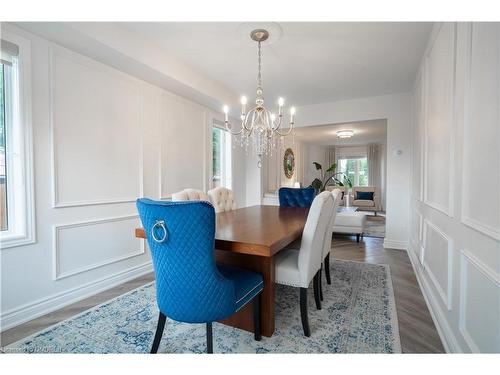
(273, 173)
(314, 153)
(102, 138)
(455, 200)
(396, 109)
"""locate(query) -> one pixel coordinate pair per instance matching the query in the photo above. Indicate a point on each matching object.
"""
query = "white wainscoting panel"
(96, 114)
(439, 134)
(479, 305)
(438, 261)
(183, 145)
(84, 246)
(481, 148)
(416, 233)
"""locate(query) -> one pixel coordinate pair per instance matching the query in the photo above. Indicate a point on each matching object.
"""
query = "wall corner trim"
(394, 244)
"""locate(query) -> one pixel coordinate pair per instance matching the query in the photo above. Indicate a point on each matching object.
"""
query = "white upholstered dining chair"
(222, 199)
(298, 268)
(327, 243)
(190, 195)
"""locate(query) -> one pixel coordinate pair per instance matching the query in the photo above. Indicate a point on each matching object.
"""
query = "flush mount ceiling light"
(345, 134)
(259, 125)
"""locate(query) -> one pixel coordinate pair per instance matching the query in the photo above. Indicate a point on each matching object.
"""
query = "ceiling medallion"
(260, 128)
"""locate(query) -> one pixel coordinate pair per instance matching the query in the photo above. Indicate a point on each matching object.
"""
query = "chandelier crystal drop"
(260, 128)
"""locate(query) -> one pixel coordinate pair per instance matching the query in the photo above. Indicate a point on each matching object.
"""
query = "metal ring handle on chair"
(160, 224)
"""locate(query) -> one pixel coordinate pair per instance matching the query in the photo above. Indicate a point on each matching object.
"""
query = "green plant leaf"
(316, 184)
(332, 167)
(347, 181)
(317, 165)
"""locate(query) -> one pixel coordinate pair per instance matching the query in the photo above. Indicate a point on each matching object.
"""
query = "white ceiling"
(365, 132)
(304, 62)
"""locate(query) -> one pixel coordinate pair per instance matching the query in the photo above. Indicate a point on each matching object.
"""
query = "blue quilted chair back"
(292, 197)
(189, 287)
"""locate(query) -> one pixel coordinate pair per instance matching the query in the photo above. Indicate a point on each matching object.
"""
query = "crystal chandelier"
(260, 128)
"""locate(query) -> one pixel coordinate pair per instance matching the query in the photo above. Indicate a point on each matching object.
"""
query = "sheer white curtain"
(330, 158)
(376, 166)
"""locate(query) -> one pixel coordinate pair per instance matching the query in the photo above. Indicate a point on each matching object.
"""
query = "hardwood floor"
(416, 328)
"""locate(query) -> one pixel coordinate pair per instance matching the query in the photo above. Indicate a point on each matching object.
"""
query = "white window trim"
(27, 235)
(220, 125)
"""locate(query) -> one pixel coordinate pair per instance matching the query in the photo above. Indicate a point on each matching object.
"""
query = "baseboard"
(27, 312)
(445, 332)
(392, 244)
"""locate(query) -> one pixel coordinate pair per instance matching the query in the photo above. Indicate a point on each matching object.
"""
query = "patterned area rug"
(358, 316)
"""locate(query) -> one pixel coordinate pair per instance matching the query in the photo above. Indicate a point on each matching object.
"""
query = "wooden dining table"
(250, 238)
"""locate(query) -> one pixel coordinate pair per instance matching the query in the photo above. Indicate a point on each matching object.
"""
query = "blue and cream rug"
(358, 316)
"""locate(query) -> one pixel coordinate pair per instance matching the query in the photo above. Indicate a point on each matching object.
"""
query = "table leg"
(243, 319)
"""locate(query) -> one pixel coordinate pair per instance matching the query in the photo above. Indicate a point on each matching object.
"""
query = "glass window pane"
(3, 169)
(356, 170)
(216, 157)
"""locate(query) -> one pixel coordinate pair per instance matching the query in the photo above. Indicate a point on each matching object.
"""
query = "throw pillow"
(364, 195)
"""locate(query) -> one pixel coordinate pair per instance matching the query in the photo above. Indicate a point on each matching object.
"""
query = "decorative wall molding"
(450, 342)
(30, 311)
(416, 239)
(54, 52)
(446, 296)
(448, 211)
(165, 125)
(468, 258)
(57, 229)
(489, 230)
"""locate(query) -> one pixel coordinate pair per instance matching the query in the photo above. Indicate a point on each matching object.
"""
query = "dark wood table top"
(257, 230)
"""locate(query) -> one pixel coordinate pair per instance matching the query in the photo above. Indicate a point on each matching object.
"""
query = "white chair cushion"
(222, 199)
(287, 267)
(190, 195)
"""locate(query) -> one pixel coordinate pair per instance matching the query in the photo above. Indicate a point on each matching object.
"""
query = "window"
(356, 169)
(221, 158)
(16, 208)
(4, 222)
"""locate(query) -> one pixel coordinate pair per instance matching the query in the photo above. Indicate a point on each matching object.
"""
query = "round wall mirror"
(289, 163)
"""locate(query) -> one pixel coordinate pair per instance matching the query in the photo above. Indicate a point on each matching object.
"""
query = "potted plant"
(339, 178)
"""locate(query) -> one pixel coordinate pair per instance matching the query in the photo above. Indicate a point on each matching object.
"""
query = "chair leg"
(303, 312)
(316, 291)
(210, 347)
(327, 269)
(256, 317)
(320, 282)
(357, 237)
(159, 333)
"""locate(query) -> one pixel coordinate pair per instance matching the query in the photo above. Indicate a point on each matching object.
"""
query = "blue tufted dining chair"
(293, 197)
(190, 286)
